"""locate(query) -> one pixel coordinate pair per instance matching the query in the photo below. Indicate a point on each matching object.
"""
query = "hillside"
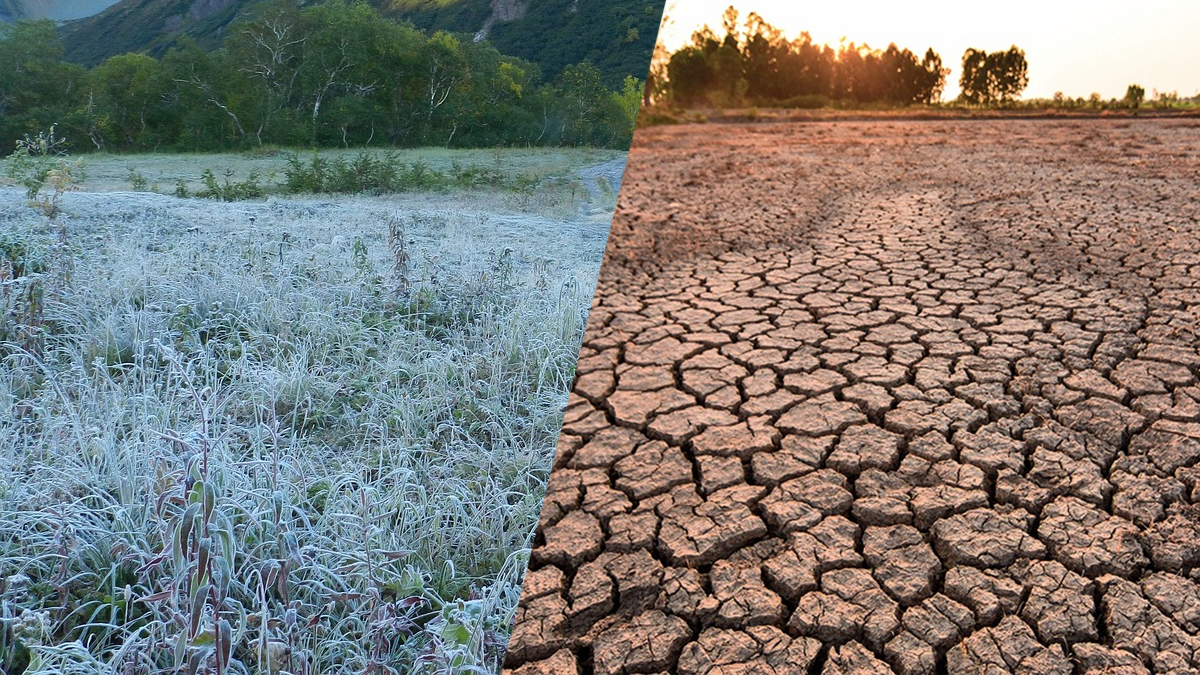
(149, 26)
(58, 10)
(616, 35)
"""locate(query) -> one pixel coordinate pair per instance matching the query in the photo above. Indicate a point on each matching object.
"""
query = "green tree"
(269, 50)
(443, 73)
(37, 89)
(210, 94)
(629, 102)
(581, 93)
(123, 103)
(329, 73)
(387, 83)
(490, 104)
(341, 40)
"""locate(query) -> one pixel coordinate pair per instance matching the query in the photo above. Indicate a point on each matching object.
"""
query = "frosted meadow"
(301, 434)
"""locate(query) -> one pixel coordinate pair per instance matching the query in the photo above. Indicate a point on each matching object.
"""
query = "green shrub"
(418, 176)
(228, 191)
(369, 173)
(299, 178)
(40, 163)
(137, 181)
(364, 174)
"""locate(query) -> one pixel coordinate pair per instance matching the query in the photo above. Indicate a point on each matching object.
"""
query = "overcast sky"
(1072, 46)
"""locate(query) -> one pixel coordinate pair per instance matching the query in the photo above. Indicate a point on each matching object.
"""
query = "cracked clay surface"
(884, 397)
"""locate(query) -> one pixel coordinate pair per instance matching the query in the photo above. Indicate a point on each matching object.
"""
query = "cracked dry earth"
(884, 397)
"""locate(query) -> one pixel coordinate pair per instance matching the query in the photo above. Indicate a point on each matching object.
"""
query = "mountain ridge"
(617, 36)
(55, 10)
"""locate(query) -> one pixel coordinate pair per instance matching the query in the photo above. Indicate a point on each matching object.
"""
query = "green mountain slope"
(56, 10)
(11, 10)
(149, 26)
(615, 35)
(457, 16)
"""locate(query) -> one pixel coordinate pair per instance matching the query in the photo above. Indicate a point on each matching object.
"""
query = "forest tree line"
(754, 64)
(333, 74)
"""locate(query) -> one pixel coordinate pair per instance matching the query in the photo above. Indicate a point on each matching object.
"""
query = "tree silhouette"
(1012, 74)
(753, 64)
(974, 78)
(912, 81)
(729, 22)
(691, 76)
(998, 77)
(1134, 95)
(933, 82)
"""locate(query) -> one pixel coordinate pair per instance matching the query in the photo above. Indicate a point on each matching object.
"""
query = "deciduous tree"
(124, 103)
(36, 88)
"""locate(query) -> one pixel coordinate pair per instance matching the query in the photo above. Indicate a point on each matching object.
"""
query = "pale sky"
(1072, 46)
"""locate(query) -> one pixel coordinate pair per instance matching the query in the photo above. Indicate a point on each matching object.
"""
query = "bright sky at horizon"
(1072, 46)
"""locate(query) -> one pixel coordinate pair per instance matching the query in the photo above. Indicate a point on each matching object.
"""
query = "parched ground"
(884, 397)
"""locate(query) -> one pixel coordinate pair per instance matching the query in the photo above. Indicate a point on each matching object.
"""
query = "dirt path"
(612, 171)
(602, 182)
(909, 397)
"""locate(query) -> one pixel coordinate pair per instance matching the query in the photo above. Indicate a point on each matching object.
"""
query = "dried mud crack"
(884, 397)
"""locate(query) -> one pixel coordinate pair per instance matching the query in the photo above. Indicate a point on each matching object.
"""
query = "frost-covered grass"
(268, 437)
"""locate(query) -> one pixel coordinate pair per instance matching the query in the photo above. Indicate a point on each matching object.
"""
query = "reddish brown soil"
(884, 397)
